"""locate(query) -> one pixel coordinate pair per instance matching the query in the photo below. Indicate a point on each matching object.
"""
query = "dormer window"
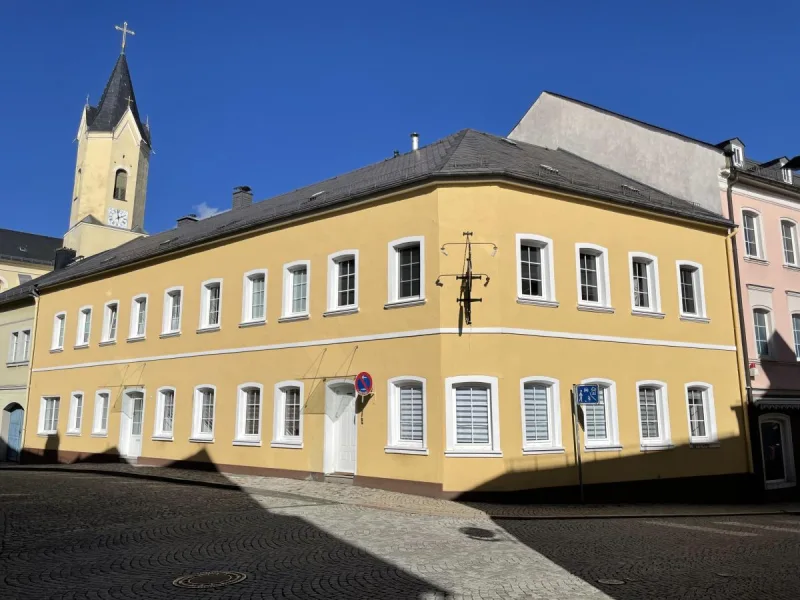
(787, 176)
(738, 156)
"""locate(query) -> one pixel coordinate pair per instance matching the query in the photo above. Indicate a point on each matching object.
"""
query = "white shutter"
(537, 426)
(594, 416)
(411, 413)
(472, 415)
(648, 412)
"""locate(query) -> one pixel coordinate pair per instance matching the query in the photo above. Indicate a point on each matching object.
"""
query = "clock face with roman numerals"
(117, 217)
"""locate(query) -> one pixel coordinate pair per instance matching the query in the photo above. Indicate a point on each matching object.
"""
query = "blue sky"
(279, 95)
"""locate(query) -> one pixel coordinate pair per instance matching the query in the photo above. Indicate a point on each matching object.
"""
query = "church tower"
(109, 194)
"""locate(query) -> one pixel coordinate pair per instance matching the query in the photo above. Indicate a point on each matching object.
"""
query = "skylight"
(550, 169)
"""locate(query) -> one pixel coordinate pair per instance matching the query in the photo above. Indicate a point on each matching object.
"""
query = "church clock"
(117, 217)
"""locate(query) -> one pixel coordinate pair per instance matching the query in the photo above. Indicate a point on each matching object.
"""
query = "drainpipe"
(35, 295)
(732, 179)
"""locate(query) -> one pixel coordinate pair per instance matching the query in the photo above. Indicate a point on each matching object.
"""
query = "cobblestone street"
(125, 532)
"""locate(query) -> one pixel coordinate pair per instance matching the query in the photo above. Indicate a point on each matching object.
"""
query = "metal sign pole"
(576, 439)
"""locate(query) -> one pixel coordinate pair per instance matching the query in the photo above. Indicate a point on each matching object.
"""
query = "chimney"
(63, 258)
(415, 141)
(242, 197)
(187, 220)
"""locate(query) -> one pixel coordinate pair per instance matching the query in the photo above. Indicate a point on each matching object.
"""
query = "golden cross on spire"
(125, 31)
(129, 99)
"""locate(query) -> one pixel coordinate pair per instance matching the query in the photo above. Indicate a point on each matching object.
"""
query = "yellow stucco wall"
(508, 340)
(10, 272)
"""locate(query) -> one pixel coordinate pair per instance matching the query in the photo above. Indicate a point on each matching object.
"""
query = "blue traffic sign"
(363, 383)
(588, 394)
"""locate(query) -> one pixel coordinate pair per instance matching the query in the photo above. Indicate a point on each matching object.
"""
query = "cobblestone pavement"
(708, 558)
(128, 533)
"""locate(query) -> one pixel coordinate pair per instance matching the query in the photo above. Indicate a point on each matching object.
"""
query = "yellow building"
(235, 340)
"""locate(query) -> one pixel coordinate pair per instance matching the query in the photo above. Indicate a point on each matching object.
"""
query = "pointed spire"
(117, 98)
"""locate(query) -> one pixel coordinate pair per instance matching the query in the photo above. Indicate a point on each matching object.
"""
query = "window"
(763, 330)
(789, 236)
(786, 174)
(48, 415)
(296, 289)
(407, 271)
(211, 303)
(594, 289)
(600, 427)
(19, 346)
(690, 291)
(138, 316)
(645, 295)
(84, 326)
(288, 418)
(101, 404)
(473, 427)
(110, 317)
(173, 298)
(343, 281)
(796, 334)
(248, 414)
(23, 278)
(702, 417)
(541, 415)
(254, 297)
(203, 417)
(738, 156)
(59, 327)
(165, 413)
(407, 416)
(753, 245)
(75, 413)
(653, 415)
(120, 184)
(535, 273)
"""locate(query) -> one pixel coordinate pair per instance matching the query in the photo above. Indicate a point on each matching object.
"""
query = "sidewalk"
(394, 501)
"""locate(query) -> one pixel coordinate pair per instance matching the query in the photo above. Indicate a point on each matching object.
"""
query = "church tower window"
(120, 184)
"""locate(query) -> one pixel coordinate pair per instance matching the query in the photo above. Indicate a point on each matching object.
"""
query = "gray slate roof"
(25, 247)
(770, 171)
(467, 154)
(114, 102)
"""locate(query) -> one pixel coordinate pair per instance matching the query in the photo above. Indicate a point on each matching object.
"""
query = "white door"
(344, 436)
(130, 425)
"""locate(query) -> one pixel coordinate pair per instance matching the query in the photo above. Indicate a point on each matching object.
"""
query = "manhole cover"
(211, 579)
(611, 581)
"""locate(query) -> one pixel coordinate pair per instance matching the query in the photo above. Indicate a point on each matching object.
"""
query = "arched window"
(762, 323)
(120, 184)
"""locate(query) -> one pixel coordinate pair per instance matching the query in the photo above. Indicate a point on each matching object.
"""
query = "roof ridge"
(460, 135)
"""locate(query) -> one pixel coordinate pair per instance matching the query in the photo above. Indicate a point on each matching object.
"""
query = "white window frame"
(197, 414)
(241, 438)
(454, 449)
(166, 318)
(795, 333)
(603, 303)
(393, 272)
(554, 445)
(279, 438)
(770, 324)
(97, 413)
(786, 175)
(547, 250)
(42, 404)
(738, 155)
(664, 440)
(709, 411)
(21, 338)
(59, 331)
(653, 284)
(611, 442)
(699, 292)
(758, 227)
(205, 305)
(793, 224)
(393, 443)
(72, 428)
(84, 313)
(158, 426)
(247, 297)
(287, 314)
(105, 337)
(134, 320)
(333, 282)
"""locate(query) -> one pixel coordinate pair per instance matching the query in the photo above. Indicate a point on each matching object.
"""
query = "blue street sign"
(363, 383)
(588, 394)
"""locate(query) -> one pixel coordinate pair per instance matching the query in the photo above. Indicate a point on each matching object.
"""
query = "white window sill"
(202, 440)
(656, 446)
(107, 343)
(474, 453)
(345, 310)
(291, 318)
(74, 433)
(286, 444)
(647, 313)
(17, 363)
(98, 434)
(404, 303)
(757, 260)
(537, 302)
(209, 329)
(162, 438)
(169, 334)
(247, 442)
(549, 450)
(700, 444)
(136, 338)
(777, 485)
(80, 346)
(56, 350)
(694, 319)
(47, 433)
(791, 267)
(256, 323)
(596, 308)
(603, 448)
(405, 450)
